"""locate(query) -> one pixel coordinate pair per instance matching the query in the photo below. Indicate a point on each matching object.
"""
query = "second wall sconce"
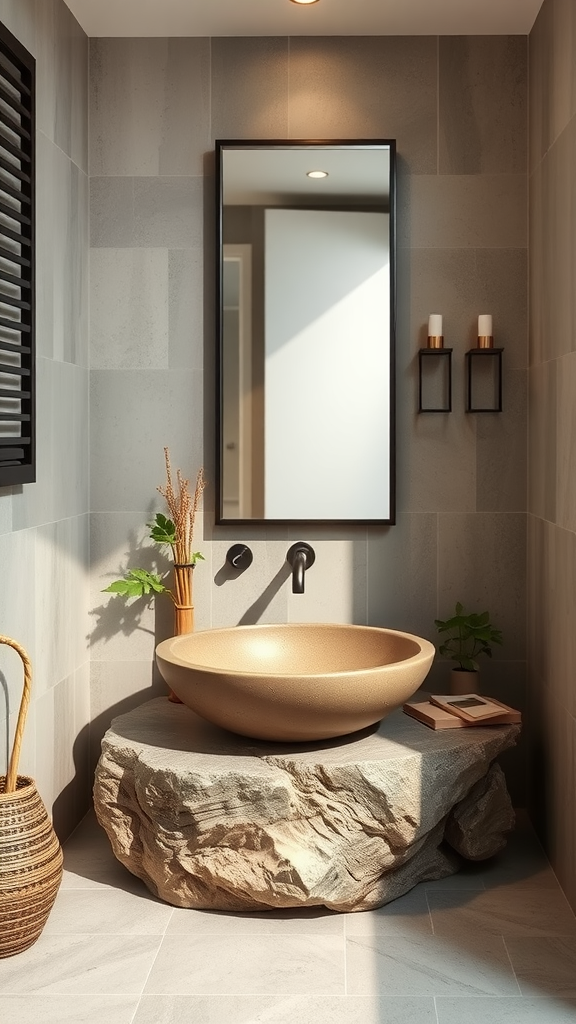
(435, 370)
(484, 371)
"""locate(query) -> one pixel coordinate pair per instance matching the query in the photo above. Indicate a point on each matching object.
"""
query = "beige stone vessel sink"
(294, 681)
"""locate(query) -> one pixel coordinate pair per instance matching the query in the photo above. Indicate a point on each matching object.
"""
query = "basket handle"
(24, 704)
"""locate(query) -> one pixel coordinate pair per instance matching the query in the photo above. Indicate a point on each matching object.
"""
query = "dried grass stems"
(183, 508)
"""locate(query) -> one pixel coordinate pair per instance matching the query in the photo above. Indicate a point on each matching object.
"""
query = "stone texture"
(477, 826)
(212, 820)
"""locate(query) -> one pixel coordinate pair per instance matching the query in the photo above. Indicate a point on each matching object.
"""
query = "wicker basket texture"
(30, 854)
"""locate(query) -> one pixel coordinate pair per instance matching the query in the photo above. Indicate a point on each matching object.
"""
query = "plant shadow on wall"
(118, 616)
(141, 584)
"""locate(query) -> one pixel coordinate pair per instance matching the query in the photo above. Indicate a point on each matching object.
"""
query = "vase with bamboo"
(175, 531)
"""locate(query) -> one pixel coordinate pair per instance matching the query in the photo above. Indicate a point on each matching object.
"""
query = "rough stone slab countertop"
(211, 819)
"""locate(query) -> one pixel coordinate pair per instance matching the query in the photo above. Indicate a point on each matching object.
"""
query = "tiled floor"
(495, 944)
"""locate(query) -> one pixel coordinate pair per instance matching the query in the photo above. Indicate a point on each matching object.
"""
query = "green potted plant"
(468, 636)
(176, 533)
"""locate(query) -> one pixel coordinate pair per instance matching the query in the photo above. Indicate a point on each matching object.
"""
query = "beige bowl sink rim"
(167, 650)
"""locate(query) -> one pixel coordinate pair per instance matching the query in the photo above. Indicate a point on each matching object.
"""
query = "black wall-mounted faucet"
(300, 556)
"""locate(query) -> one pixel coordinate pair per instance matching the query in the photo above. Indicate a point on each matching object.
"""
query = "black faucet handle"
(239, 556)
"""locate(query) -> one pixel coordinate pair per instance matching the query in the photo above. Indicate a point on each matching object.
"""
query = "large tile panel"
(149, 110)
(358, 87)
(482, 104)
(135, 413)
(542, 440)
(63, 79)
(249, 88)
(129, 308)
(460, 211)
(552, 74)
(402, 575)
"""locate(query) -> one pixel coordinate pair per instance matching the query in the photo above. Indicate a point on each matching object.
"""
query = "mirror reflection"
(305, 314)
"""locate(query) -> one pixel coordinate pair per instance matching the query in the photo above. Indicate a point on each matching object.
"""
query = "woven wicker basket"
(30, 854)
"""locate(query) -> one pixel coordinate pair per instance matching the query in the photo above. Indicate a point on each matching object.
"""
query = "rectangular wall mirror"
(305, 317)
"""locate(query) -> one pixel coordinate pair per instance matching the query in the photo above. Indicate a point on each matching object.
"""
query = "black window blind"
(17, 249)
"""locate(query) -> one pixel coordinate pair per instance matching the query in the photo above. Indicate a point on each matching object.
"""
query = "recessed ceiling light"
(316, 174)
(304, 1)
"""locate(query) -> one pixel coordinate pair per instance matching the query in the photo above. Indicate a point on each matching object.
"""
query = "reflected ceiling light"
(316, 174)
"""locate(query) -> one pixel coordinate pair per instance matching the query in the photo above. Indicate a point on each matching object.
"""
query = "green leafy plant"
(176, 533)
(470, 636)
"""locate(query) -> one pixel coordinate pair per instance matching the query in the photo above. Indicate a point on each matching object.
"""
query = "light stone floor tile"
(307, 921)
(285, 1010)
(107, 911)
(544, 965)
(408, 915)
(88, 964)
(506, 911)
(210, 964)
(430, 966)
(83, 1009)
(505, 1011)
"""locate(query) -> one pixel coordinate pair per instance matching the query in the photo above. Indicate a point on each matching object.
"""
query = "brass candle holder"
(435, 341)
(485, 341)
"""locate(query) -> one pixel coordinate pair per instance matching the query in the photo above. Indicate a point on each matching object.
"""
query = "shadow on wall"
(119, 615)
(76, 798)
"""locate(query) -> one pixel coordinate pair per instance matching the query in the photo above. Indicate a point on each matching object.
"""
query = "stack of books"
(463, 711)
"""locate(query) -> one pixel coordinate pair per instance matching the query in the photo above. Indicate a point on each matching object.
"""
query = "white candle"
(434, 325)
(485, 325)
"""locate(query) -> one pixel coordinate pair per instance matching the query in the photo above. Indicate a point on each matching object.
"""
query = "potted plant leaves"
(176, 533)
(467, 637)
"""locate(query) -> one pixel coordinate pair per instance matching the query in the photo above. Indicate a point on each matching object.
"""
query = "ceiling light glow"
(304, 1)
(316, 174)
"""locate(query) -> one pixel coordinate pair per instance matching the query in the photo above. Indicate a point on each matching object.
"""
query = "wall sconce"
(435, 370)
(484, 371)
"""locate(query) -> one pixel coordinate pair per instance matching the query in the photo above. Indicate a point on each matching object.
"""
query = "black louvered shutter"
(17, 248)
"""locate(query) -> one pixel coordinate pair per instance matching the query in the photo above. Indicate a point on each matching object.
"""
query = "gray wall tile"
(501, 460)
(542, 442)
(482, 564)
(149, 106)
(5, 509)
(111, 212)
(63, 80)
(453, 211)
(249, 88)
(552, 74)
(478, 134)
(367, 87)
(129, 308)
(62, 239)
(402, 575)
(19, 16)
(566, 442)
(135, 413)
(185, 308)
(554, 248)
(168, 212)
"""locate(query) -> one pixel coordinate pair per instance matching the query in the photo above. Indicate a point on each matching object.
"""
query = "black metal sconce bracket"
(471, 357)
(435, 354)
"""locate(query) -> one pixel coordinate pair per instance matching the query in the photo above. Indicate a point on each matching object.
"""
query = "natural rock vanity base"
(213, 820)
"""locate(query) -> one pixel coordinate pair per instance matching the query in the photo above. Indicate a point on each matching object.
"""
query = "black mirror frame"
(220, 146)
